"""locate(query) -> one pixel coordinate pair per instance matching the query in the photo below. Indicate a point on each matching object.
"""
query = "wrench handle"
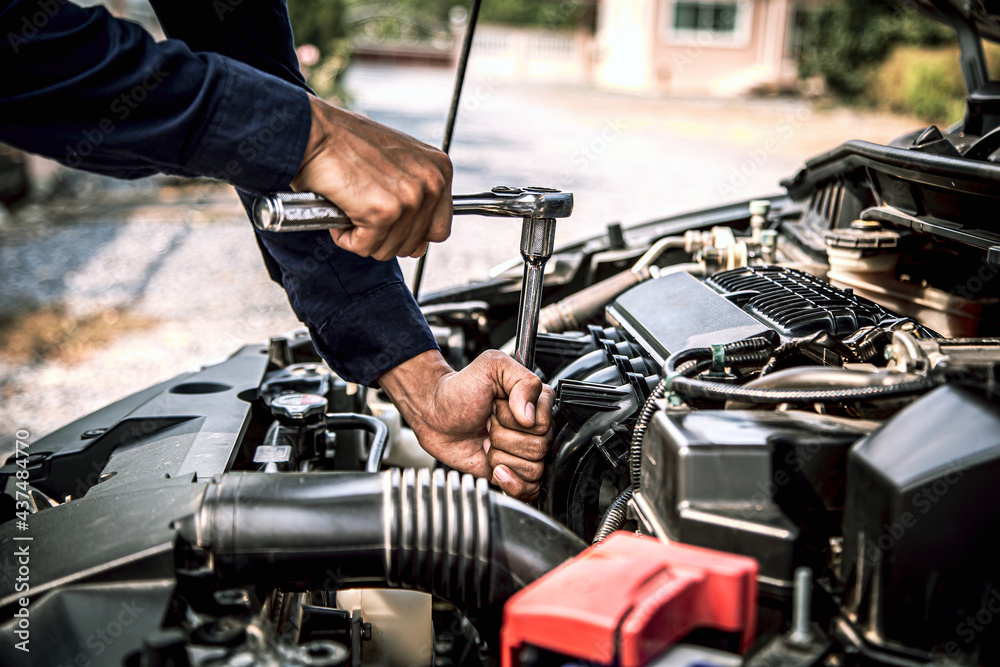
(307, 211)
(298, 212)
(537, 207)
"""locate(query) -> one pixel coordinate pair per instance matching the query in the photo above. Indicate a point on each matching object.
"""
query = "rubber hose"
(614, 517)
(378, 430)
(567, 314)
(813, 377)
(678, 358)
(725, 392)
(445, 534)
(824, 377)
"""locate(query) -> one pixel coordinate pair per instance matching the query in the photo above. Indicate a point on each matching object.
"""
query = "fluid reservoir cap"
(301, 408)
(760, 207)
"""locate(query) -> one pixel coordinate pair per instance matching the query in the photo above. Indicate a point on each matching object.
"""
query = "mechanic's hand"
(492, 419)
(395, 189)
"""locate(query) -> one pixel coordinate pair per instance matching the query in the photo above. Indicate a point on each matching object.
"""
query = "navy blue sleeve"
(98, 93)
(362, 317)
(223, 97)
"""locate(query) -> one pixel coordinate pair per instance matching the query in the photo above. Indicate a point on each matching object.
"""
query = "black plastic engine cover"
(921, 565)
(769, 485)
(192, 423)
(679, 311)
(794, 303)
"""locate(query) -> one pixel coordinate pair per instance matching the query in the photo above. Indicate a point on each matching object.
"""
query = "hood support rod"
(449, 128)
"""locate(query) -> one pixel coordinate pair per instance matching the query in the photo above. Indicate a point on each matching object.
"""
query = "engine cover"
(795, 303)
(679, 311)
(764, 484)
(918, 566)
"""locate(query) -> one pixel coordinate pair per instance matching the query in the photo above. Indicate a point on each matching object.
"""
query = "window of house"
(715, 23)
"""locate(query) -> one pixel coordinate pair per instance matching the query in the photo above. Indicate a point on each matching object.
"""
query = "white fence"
(508, 52)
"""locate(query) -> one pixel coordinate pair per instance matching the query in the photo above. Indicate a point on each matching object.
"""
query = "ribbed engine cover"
(795, 303)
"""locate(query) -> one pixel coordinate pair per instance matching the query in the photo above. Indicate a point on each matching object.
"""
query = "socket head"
(538, 238)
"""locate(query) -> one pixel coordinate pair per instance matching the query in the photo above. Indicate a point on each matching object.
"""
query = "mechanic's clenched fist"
(492, 419)
(395, 189)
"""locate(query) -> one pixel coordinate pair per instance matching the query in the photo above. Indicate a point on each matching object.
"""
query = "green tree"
(318, 22)
(321, 23)
(540, 13)
(845, 40)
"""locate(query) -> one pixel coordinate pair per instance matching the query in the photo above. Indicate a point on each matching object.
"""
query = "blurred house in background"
(696, 47)
(684, 47)
(551, 54)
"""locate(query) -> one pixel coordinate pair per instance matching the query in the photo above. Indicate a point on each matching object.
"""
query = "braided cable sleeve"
(723, 392)
(614, 517)
(648, 409)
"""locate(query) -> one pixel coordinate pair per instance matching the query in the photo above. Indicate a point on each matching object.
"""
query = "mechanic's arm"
(362, 317)
(493, 418)
(99, 94)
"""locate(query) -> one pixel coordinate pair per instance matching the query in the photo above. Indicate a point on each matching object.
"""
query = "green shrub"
(845, 41)
(935, 90)
(541, 13)
(321, 23)
(926, 83)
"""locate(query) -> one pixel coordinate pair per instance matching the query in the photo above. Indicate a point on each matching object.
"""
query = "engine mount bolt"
(801, 634)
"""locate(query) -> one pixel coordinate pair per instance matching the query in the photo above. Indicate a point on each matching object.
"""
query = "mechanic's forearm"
(481, 420)
(411, 385)
(100, 94)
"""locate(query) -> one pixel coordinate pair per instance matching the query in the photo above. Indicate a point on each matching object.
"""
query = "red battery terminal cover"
(630, 598)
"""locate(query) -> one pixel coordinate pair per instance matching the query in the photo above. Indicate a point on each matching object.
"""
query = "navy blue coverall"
(221, 97)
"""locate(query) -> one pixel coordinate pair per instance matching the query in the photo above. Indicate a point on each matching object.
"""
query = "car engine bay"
(777, 440)
(791, 396)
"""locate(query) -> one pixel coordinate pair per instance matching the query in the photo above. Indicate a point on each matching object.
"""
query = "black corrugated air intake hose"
(445, 534)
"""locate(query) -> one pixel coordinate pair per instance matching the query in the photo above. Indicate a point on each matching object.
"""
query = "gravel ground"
(182, 261)
(200, 286)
